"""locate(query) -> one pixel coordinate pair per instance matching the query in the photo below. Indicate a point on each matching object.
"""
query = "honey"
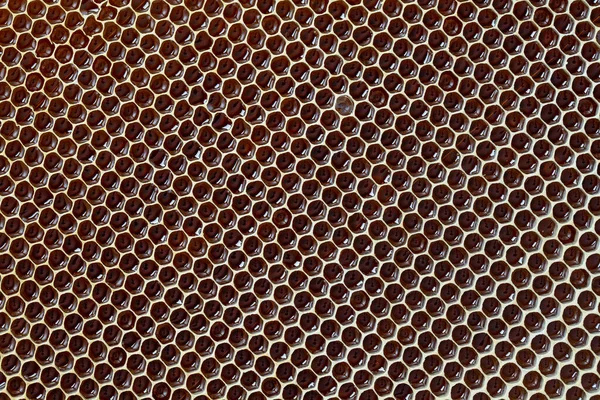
(299, 199)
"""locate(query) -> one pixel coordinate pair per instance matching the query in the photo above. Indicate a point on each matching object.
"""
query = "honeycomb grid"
(315, 199)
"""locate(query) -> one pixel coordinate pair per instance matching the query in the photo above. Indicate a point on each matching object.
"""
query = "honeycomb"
(260, 199)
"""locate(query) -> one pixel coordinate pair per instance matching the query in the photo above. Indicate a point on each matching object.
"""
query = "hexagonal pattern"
(301, 199)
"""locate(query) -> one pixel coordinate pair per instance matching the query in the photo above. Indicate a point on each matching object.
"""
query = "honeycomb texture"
(259, 199)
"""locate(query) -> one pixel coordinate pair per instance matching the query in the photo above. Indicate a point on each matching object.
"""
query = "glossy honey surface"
(308, 199)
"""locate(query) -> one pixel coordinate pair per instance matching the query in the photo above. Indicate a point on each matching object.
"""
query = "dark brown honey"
(299, 199)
